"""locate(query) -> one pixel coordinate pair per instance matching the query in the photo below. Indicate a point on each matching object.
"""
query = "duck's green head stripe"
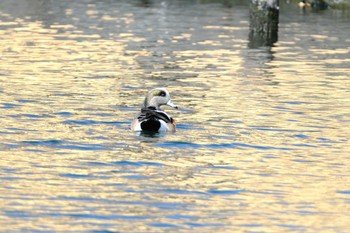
(153, 93)
(158, 93)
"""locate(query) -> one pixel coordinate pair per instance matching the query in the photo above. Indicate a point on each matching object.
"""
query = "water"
(263, 134)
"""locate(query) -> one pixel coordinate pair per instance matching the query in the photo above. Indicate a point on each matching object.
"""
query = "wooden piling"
(263, 26)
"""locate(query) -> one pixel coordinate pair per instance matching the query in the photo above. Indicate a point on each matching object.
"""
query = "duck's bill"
(171, 104)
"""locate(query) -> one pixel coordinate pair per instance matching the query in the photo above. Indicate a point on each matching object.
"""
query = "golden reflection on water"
(262, 141)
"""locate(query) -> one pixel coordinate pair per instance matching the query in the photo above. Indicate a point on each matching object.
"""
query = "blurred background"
(262, 141)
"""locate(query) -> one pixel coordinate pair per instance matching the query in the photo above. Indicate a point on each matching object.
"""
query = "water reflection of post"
(263, 23)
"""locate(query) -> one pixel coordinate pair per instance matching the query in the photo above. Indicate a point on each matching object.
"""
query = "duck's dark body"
(151, 119)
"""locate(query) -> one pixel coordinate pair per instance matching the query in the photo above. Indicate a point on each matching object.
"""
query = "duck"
(304, 4)
(152, 118)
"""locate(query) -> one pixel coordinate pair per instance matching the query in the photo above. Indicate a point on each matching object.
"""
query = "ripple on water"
(184, 145)
(137, 163)
(163, 225)
(93, 122)
(225, 192)
(9, 105)
(63, 144)
(262, 141)
(66, 114)
(346, 192)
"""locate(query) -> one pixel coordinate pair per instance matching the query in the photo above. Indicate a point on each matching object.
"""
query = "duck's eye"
(162, 93)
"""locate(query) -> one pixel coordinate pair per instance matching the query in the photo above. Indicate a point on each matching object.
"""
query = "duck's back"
(153, 120)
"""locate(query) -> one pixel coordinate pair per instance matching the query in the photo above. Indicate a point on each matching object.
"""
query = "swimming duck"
(304, 4)
(152, 118)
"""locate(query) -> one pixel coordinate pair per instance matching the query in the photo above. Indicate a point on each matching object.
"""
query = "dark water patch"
(265, 174)
(6, 146)
(235, 145)
(304, 145)
(346, 192)
(167, 205)
(9, 105)
(75, 176)
(119, 185)
(225, 192)
(198, 225)
(107, 138)
(223, 167)
(36, 116)
(105, 231)
(101, 217)
(7, 132)
(22, 129)
(51, 142)
(282, 108)
(9, 178)
(235, 122)
(83, 176)
(137, 164)
(298, 112)
(102, 114)
(97, 164)
(181, 216)
(324, 140)
(302, 161)
(66, 114)
(252, 225)
(302, 136)
(163, 225)
(19, 214)
(291, 227)
(83, 146)
(9, 169)
(183, 126)
(305, 212)
(34, 150)
(26, 101)
(270, 157)
(266, 114)
(71, 198)
(180, 144)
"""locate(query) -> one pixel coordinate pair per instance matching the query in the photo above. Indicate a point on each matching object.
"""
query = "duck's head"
(157, 97)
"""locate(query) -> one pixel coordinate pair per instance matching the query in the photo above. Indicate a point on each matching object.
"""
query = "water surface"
(263, 133)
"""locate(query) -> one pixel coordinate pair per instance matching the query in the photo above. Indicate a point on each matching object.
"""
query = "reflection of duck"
(303, 4)
(152, 118)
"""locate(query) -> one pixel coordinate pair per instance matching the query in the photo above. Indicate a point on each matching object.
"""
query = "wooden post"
(263, 23)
